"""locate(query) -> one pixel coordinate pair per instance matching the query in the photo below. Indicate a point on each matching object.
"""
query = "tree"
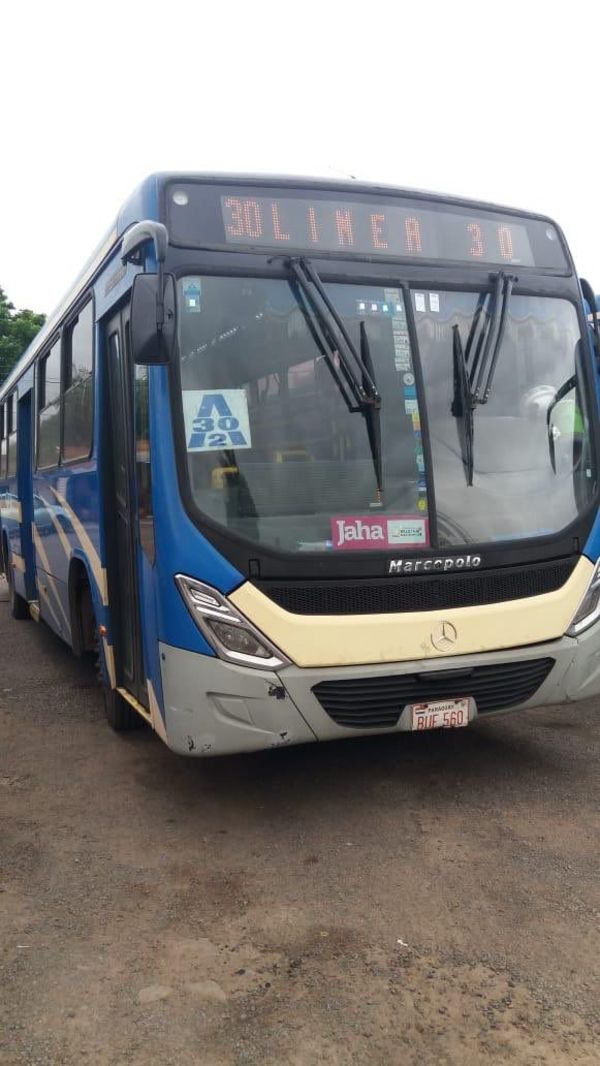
(17, 330)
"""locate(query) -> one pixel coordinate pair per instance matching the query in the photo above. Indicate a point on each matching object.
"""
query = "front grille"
(377, 702)
(419, 592)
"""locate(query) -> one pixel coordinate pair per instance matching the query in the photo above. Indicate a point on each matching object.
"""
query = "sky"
(495, 102)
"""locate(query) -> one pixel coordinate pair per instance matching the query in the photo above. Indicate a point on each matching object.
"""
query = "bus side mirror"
(152, 315)
(152, 342)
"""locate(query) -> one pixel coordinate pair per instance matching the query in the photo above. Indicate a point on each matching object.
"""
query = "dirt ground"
(416, 900)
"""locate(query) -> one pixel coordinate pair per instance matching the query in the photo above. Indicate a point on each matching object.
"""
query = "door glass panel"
(142, 461)
(118, 437)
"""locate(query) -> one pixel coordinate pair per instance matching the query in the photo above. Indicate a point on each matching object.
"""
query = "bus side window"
(11, 464)
(48, 405)
(2, 441)
(143, 474)
(78, 398)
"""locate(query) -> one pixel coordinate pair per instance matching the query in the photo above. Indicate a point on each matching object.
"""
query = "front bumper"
(215, 708)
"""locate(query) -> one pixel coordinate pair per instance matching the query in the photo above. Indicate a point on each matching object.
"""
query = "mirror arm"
(160, 299)
(139, 235)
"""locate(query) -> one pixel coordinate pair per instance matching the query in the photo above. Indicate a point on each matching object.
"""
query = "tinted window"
(118, 444)
(142, 462)
(11, 467)
(49, 377)
(80, 347)
(12, 455)
(2, 441)
(78, 396)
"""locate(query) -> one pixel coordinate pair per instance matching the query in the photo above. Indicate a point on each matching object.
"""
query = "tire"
(19, 608)
(86, 617)
(120, 715)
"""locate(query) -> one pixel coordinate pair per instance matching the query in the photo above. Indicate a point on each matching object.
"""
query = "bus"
(302, 460)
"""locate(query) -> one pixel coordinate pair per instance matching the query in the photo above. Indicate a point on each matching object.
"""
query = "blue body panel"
(181, 548)
(62, 520)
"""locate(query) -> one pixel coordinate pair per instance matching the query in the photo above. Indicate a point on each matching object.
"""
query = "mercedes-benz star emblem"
(443, 637)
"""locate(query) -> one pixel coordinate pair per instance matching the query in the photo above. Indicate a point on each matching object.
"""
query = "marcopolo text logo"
(441, 565)
(215, 420)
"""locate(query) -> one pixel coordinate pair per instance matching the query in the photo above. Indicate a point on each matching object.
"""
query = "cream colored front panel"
(345, 640)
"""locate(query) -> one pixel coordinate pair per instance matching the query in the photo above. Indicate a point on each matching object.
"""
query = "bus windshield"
(518, 490)
(274, 454)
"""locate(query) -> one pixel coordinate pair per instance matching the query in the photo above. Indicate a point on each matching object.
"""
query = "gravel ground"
(427, 899)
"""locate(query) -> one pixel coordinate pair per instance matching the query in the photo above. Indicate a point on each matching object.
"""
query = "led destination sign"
(395, 227)
(372, 229)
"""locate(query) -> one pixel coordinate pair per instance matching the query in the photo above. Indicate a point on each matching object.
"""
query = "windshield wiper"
(493, 343)
(473, 362)
(473, 385)
(338, 340)
(462, 404)
(355, 376)
(372, 412)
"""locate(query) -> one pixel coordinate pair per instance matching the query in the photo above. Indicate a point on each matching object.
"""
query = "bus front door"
(120, 505)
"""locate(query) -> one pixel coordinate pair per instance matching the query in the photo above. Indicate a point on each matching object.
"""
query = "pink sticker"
(363, 532)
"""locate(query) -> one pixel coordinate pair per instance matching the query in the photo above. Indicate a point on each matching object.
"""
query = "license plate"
(441, 714)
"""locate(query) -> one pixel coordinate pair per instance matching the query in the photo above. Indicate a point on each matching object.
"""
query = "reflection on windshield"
(532, 474)
(273, 452)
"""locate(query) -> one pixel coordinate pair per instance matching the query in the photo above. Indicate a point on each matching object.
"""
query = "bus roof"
(144, 203)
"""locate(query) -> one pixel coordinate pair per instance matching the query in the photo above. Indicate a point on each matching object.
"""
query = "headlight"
(232, 636)
(588, 611)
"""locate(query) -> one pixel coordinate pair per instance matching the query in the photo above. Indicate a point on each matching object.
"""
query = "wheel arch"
(83, 610)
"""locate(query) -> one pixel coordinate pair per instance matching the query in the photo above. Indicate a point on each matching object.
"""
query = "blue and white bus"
(302, 460)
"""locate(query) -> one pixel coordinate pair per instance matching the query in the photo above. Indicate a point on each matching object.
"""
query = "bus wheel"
(19, 608)
(120, 715)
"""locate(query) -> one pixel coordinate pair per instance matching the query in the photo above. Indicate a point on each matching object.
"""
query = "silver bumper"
(215, 708)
